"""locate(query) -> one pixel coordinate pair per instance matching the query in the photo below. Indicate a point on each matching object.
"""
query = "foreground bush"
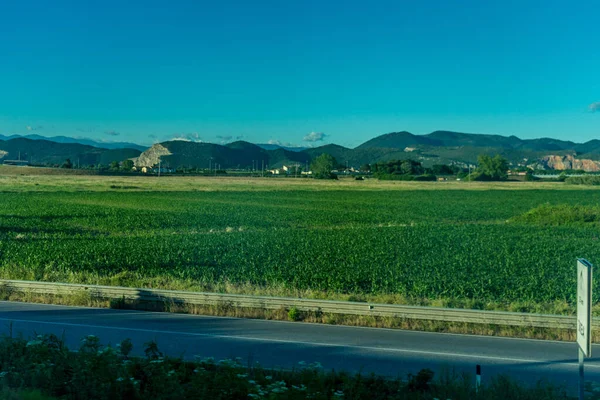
(45, 367)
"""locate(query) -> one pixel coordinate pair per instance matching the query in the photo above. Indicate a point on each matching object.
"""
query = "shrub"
(583, 180)
(294, 314)
(44, 369)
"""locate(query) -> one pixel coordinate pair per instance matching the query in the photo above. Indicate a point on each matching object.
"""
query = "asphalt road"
(284, 344)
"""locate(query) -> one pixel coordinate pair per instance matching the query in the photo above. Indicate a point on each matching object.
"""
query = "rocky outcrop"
(3, 153)
(151, 157)
(568, 162)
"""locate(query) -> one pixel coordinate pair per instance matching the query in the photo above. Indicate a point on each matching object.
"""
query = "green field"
(418, 243)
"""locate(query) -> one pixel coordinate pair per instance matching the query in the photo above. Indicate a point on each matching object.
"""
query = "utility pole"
(159, 167)
(263, 168)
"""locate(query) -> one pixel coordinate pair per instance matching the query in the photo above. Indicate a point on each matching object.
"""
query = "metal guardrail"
(325, 306)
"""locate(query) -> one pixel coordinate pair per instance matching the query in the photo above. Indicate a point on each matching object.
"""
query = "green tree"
(114, 165)
(529, 176)
(491, 168)
(404, 168)
(321, 166)
(127, 165)
(442, 169)
(67, 164)
(365, 168)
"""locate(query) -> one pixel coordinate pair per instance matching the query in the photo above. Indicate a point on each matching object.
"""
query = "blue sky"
(148, 71)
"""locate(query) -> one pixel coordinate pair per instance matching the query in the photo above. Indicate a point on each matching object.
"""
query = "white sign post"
(584, 316)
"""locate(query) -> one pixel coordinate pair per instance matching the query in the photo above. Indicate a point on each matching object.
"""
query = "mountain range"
(47, 152)
(89, 142)
(439, 147)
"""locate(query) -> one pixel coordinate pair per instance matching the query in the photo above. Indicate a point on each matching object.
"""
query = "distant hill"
(454, 139)
(398, 140)
(89, 142)
(53, 153)
(238, 155)
(270, 146)
(439, 147)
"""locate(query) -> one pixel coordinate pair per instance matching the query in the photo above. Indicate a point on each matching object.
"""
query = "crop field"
(513, 247)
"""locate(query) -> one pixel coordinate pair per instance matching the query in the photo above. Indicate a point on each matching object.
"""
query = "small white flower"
(242, 375)
(119, 379)
(268, 377)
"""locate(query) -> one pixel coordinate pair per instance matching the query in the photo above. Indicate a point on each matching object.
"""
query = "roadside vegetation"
(44, 368)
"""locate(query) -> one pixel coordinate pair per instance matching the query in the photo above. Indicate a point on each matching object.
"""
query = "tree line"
(488, 169)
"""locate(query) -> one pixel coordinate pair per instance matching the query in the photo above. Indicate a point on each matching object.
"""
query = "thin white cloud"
(112, 133)
(283, 144)
(187, 137)
(314, 137)
(595, 107)
(34, 128)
